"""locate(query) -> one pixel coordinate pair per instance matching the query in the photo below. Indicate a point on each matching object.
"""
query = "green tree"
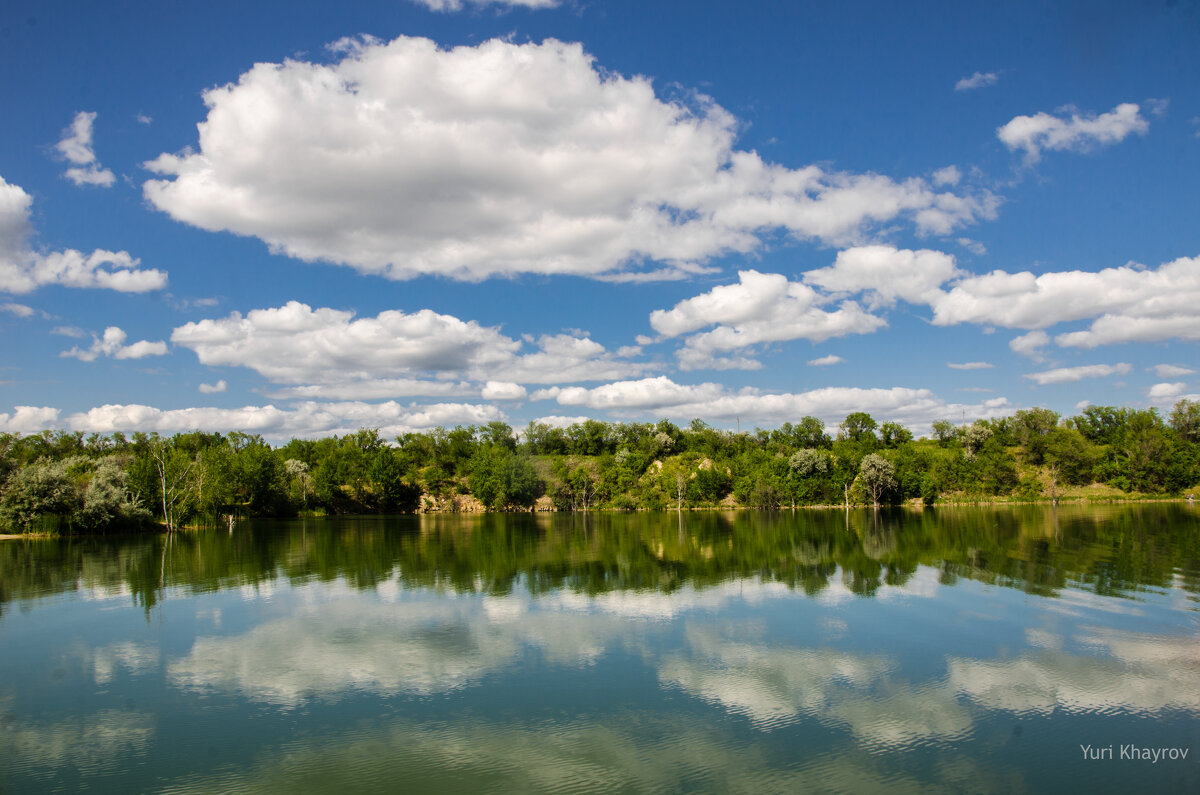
(878, 477)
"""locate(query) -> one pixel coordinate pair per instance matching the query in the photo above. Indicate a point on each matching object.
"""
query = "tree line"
(66, 482)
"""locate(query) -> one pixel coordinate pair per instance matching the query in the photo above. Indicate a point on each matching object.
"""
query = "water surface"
(952, 650)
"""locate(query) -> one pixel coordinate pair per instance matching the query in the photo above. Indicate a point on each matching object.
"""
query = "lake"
(962, 649)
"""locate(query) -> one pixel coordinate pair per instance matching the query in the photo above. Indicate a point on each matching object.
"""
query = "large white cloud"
(23, 270)
(662, 396)
(884, 273)
(1079, 132)
(404, 159)
(1129, 303)
(28, 419)
(760, 308)
(76, 147)
(332, 354)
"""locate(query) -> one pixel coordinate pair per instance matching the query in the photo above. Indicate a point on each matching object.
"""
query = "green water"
(979, 650)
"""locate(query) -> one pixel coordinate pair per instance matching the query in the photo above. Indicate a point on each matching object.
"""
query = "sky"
(300, 219)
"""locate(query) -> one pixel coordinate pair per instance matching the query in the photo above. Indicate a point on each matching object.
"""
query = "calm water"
(963, 650)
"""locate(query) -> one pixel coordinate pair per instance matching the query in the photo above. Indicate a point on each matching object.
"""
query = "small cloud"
(1080, 132)
(20, 310)
(825, 361)
(212, 389)
(642, 339)
(1157, 107)
(1031, 345)
(142, 118)
(1067, 375)
(1159, 391)
(626, 351)
(113, 344)
(977, 80)
(975, 389)
(973, 246)
(950, 175)
(502, 390)
(970, 365)
(69, 331)
(1171, 370)
(76, 147)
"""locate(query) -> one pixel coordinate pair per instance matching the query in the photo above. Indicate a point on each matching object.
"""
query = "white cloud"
(950, 175)
(76, 147)
(457, 5)
(69, 331)
(973, 246)
(113, 344)
(212, 389)
(1064, 375)
(884, 274)
(1131, 303)
(711, 401)
(826, 360)
(1160, 391)
(28, 419)
(1111, 329)
(142, 118)
(970, 365)
(296, 344)
(23, 270)
(502, 390)
(1171, 370)
(20, 310)
(405, 159)
(1041, 132)
(1031, 344)
(1157, 107)
(977, 80)
(305, 420)
(760, 308)
(375, 389)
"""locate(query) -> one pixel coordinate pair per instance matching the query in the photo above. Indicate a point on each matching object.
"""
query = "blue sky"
(296, 220)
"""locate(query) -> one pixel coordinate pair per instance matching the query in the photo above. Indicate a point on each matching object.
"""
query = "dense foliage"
(59, 481)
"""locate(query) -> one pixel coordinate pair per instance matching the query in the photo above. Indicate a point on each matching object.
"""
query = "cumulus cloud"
(112, 344)
(23, 270)
(296, 344)
(824, 361)
(884, 273)
(1130, 303)
(76, 148)
(404, 159)
(970, 365)
(502, 390)
(1065, 375)
(760, 308)
(662, 396)
(28, 419)
(950, 175)
(977, 80)
(1031, 344)
(305, 420)
(1164, 390)
(212, 389)
(1078, 133)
